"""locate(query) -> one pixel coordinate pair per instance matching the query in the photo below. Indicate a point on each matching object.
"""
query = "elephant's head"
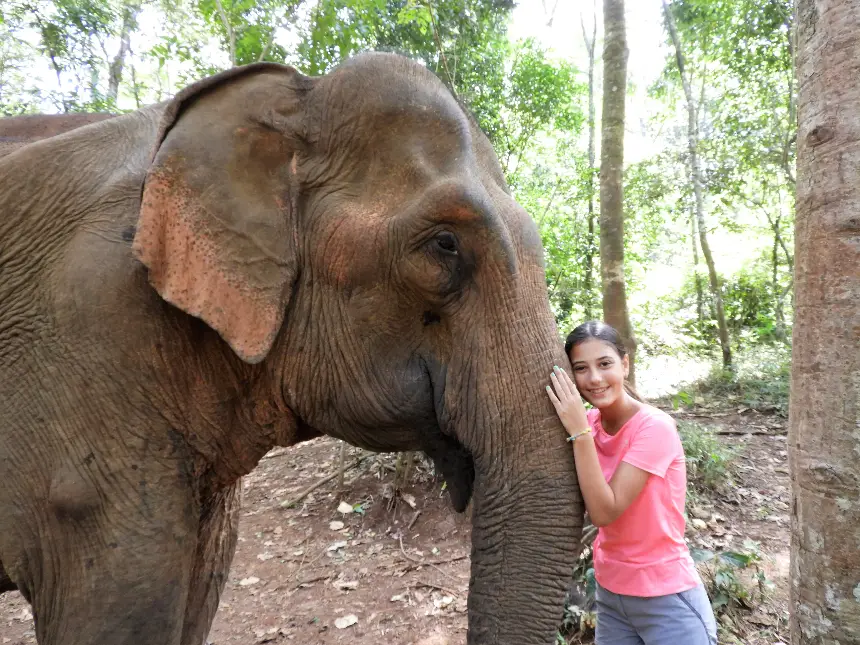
(353, 236)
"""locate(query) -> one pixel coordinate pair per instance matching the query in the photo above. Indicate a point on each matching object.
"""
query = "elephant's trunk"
(528, 510)
(525, 536)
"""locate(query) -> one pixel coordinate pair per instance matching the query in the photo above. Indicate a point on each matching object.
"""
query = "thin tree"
(129, 23)
(592, 136)
(611, 171)
(698, 187)
(824, 413)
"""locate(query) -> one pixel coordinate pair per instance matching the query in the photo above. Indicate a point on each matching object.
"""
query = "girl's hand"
(567, 402)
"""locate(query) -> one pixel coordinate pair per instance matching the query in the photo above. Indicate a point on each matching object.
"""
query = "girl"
(631, 470)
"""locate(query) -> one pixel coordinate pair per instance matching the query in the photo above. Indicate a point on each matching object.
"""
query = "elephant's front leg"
(113, 560)
(216, 544)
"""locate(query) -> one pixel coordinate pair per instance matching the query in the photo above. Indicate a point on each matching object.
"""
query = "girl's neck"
(614, 416)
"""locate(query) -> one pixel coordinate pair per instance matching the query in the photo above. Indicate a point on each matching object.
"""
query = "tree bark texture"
(590, 45)
(611, 175)
(824, 424)
(698, 188)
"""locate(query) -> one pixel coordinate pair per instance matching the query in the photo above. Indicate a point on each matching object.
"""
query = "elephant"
(265, 258)
(18, 131)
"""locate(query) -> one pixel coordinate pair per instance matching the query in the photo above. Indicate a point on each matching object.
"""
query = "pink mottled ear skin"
(176, 241)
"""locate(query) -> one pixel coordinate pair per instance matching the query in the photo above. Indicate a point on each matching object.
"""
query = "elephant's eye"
(447, 242)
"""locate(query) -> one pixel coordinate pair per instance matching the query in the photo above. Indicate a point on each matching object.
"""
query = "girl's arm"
(605, 501)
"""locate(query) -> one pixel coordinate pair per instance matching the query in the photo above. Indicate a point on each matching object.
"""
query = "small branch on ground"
(431, 585)
(322, 482)
(743, 432)
(413, 520)
(431, 563)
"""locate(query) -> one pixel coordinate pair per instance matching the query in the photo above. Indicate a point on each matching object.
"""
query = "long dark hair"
(600, 331)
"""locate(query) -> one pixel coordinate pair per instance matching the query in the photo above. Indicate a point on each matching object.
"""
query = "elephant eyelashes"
(430, 318)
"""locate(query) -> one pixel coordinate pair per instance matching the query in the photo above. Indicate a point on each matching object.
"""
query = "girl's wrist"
(579, 433)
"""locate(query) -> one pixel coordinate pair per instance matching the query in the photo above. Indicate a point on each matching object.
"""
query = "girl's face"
(599, 372)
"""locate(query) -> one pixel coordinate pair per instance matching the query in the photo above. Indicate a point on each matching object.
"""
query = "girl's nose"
(594, 378)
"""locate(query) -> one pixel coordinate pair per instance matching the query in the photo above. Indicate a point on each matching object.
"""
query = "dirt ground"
(395, 569)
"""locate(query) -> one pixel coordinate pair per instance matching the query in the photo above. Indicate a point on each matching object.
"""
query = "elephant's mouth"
(457, 466)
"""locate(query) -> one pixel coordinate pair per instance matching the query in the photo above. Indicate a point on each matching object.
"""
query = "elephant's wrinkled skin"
(268, 255)
(18, 131)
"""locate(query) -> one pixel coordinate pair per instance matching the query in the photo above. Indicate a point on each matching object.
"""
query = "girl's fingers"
(570, 383)
(552, 397)
(560, 392)
(563, 380)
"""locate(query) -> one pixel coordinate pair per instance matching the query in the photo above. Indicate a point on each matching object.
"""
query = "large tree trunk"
(698, 192)
(611, 175)
(824, 435)
(592, 136)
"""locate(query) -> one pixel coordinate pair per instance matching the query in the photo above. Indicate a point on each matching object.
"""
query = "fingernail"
(555, 367)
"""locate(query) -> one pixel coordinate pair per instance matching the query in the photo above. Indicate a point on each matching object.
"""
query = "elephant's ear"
(217, 226)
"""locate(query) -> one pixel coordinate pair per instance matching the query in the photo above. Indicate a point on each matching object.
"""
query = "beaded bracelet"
(574, 437)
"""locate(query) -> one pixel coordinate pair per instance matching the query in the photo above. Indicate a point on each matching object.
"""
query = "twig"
(413, 520)
(321, 482)
(432, 563)
(743, 432)
(315, 579)
(432, 585)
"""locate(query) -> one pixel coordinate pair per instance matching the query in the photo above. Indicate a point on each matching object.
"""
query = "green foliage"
(708, 460)
(734, 579)
(756, 308)
(57, 55)
(251, 23)
(760, 381)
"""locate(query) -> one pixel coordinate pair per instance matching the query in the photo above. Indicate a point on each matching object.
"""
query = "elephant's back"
(58, 195)
(18, 131)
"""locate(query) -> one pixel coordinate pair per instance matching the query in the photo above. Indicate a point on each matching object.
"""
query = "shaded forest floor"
(395, 569)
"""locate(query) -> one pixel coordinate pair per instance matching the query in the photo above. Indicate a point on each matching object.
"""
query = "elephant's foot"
(216, 543)
(6, 583)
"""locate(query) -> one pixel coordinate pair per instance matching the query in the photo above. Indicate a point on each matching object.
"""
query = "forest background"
(523, 69)
(531, 73)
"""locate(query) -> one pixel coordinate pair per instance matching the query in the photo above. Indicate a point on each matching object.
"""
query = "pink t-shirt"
(643, 553)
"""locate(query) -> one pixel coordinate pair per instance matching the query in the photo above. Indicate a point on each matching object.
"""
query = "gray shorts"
(684, 618)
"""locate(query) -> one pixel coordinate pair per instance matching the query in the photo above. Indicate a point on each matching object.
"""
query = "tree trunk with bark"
(698, 190)
(824, 423)
(592, 136)
(611, 175)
